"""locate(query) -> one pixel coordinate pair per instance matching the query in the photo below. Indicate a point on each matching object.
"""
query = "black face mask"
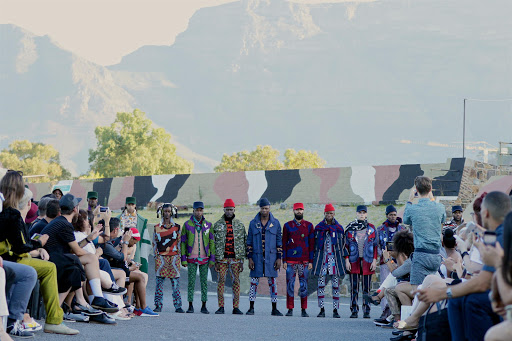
(299, 216)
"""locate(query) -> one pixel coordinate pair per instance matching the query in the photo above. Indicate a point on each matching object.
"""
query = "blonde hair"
(27, 195)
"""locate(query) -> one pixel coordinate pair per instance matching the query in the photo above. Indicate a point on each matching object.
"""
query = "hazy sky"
(104, 31)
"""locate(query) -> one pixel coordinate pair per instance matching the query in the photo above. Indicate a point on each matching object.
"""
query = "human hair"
(114, 223)
(25, 199)
(13, 188)
(477, 208)
(79, 224)
(403, 242)
(42, 204)
(66, 211)
(52, 208)
(423, 184)
(449, 239)
(506, 267)
(497, 204)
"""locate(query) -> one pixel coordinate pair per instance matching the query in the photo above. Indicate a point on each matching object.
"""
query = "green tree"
(302, 159)
(267, 158)
(263, 158)
(132, 146)
(34, 159)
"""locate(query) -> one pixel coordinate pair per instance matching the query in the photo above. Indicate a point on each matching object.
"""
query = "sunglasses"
(17, 171)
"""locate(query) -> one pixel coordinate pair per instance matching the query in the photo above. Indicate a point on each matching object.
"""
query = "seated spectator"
(31, 214)
(49, 209)
(63, 249)
(21, 249)
(469, 301)
(452, 265)
(502, 287)
(4, 311)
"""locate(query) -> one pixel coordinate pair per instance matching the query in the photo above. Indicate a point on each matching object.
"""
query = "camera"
(390, 246)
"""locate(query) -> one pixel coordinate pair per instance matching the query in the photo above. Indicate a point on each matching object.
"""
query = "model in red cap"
(328, 260)
(298, 248)
(230, 251)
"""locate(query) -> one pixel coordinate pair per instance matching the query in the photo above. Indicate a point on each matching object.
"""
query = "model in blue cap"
(264, 251)
(362, 243)
(386, 232)
(456, 220)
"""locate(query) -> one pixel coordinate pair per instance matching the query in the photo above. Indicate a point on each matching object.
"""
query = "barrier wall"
(345, 185)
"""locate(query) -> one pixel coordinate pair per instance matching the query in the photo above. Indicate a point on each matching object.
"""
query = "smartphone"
(126, 229)
(489, 238)
(36, 236)
(390, 246)
(103, 209)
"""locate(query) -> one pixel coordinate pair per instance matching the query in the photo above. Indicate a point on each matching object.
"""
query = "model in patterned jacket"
(166, 247)
(362, 244)
(329, 258)
(298, 249)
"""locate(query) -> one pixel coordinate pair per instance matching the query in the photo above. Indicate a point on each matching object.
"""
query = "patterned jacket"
(386, 236)
(188, 233)
(239, 234)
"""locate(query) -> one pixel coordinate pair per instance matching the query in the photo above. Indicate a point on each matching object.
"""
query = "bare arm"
(76, 249)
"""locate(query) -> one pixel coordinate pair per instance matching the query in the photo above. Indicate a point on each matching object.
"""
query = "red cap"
(32, 214)
(135, 233)
(329, 208)
(229, 203)
(298, 205)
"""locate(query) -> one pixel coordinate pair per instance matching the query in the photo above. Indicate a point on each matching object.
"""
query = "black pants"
(354, 281)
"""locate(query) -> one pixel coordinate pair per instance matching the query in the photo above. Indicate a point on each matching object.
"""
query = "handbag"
(434, 326)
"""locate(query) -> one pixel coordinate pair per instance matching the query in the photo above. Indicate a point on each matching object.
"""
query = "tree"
(302, 159)
(263, 158)
(132, 146)
(34, 159)
(267, 158)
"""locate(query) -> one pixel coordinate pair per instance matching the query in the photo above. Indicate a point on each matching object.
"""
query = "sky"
(104, 31)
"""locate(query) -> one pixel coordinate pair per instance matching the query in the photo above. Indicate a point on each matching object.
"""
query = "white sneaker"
(31, 326)
(17, 330)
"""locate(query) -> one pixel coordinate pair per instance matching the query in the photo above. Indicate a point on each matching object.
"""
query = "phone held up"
(103, 209)
(390, 246)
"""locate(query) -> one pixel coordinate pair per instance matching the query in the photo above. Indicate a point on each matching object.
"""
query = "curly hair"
(79, 224)
(403, 242)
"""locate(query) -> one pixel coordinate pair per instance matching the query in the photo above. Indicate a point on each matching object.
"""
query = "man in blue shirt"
(427, 218)
(469, 308)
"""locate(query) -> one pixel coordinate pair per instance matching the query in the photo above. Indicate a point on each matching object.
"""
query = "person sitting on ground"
(469, 301)
(501, 289)
(49, 209)
(21, 249)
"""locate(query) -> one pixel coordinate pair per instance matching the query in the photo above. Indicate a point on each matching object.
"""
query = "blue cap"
(264, 202)
(68, 202)
(390, 209)
(457, 208)
(198, 204)
(362, 208)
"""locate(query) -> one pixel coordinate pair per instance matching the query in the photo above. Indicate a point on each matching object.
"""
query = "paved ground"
(261, 326)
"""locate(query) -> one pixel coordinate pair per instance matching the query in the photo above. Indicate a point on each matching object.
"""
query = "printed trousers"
(354, 280)
(335, 289)
(159, 292)
(272, 284)
(203, 278)
(301, 271)
(234, 267)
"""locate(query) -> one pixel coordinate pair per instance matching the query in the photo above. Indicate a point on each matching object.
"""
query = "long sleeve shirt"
(298, 242)
(426, 218)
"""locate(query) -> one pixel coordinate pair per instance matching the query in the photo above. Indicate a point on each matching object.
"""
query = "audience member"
(50, 211)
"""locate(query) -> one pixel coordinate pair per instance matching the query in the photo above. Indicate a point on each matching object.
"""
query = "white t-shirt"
(474, 255)
(79, 236)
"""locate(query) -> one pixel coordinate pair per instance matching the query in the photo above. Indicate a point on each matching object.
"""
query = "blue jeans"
(105, 266)
(471, 316)
(19, 291)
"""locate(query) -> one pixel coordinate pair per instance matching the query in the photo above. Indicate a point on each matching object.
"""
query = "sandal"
(402, 325)
(370, 299)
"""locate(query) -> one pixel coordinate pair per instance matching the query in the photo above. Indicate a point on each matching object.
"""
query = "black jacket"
(14, 230)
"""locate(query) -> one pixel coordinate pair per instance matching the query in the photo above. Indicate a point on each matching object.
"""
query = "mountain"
(349, 80)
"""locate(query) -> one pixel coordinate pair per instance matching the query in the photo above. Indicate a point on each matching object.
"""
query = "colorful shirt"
(166, 241)
(329, 256)
(197, 242)
(229, 249)
(128, 219)
(298, 242)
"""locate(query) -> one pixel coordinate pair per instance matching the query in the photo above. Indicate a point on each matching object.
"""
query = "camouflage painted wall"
(346, 185)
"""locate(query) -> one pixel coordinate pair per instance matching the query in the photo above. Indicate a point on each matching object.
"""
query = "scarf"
(358, 225)
(330, 229)
(197, 223)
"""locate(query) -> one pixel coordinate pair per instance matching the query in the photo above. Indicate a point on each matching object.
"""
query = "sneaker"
(115, 290)
(220, 310)
(385, 322)
(68, 317)
(17, 330)
(130, 308)
(250, 311)
(179, 311)
(59, 329)
(321, 313)
(31, 326)
(137, 311)
(335, 314)
(276, 312)
(353, 315)
(86, 310)
(72, 317)
(158, 309)
(120, 316)
(389, 325)
(148, 312)
(104, 304)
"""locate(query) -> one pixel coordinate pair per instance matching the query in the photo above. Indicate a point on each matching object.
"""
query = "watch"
(449, 293)
(465, 253)
(125, 242)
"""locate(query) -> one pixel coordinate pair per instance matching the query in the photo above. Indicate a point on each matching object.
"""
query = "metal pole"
(464, 130)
